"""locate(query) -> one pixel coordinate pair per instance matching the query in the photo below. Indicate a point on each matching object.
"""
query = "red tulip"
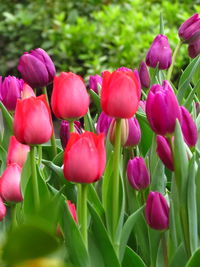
(84, 157)
(2, 209)
(120, 94)
(32, 121)
(72, 209)
(17, 152)
(69, 99)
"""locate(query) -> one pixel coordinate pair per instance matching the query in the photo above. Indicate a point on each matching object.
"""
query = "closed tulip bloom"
(2, 209)
(164, 152)
(134, 132)
(103, 123)
(188, 127)
(124, 131)
(65, 132)
(120, 94)
(144, 75)
(10, 91)
(159, 53)
(162, 108)
(32, 121)
(157, 211)
(94, 80)
(17, 152)
(70, 99)
(138, 174)
(72, 209)
(10, 183)
(189, 31)
(194, 48)
(37, 68)
(84, 157)
(27, 91)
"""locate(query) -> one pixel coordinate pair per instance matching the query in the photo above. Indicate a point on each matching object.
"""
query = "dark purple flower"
(103, 123)
(65, 132)
(94, 80)
(164, 152)
(194, 48)
(144, 75)
(134, 132)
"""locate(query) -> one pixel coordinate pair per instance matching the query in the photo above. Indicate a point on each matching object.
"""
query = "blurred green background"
(88, 37)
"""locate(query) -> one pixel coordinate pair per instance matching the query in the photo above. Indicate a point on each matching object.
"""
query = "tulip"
(159, 53)
(189, 30)
(10, 91)
(188, 127)
(124, 69)
(142, 105)
(134, 132)
(72, 210)
(157, 211)
(10, 183)
(194, 48)
(94, 81)
(84, 157)
(2, 209)
(70, 99)
(32, 121)
(124, 131)
(162, 108)
(27, 91)
(144, 75)
(164, 152)
(120, 94)
(37, 68)
(17, 152)
(138, 174)
(103, 123)
(65, 132)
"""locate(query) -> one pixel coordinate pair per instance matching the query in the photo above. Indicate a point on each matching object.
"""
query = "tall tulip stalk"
(130, 166)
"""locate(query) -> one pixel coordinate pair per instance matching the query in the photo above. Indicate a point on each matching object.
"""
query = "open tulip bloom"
(119, 185)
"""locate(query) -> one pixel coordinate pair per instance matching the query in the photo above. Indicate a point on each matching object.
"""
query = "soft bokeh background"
(87, 37)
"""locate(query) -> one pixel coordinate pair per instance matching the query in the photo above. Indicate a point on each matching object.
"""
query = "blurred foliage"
(88, 37)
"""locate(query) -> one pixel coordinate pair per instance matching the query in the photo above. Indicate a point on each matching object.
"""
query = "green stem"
(116, 166)
(169, 73)
(164, 247)
(71, 126)
(53, 139)
(39, 155)
(34, 178)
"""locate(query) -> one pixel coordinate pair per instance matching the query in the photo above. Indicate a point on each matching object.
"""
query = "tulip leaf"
(102, 240)
(95, 201)
(3, 154)
(26, 173)
(96, 257)
(131, 259)
(96, 99)
(7, 117)
(88, 123)
(197, 193)
(28, 242)
(190, 98)
(194, 261)
(180, 257)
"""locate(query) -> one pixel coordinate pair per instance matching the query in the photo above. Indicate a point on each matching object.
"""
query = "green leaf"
(3, 155)
(95, 201)
(131, 259)
(88, 123)
(26, 174)
(102, 240)
(194, 261)
(28, 242)
(162, 31)
(7, 117)
(96, 99)
(190, 98)
(180, 257)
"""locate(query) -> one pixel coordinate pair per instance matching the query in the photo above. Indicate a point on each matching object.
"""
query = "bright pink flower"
(27, 91)
(2, 209)
(72, 209)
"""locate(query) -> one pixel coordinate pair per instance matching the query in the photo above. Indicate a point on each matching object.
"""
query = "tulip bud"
(159, 53)
(94, 81)
(65, 132)
(134, 132)
(84, 157)
(188, 127)
(138, 174)
(103, 123)
(10, 184)
(72, 209)
(144, 75)
(124, 131)
(17, 152)
(194, 48)
(27, 91)
(69, 88)
(164, 152)
(157, 211)
(2, 209)
(142, 105)
(189, 30)
(10, 91)
(162, 108)
(197, 106)
(37, 68)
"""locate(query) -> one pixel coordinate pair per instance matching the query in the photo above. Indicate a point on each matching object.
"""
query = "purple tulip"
(159, 53)
(162, 108)
(157, 211)
(164, 152)
(194, 48)
(65, 132)
(10, 91)
(37, 68)
(144, 75)
(138, 174)
(189, 31)
(134, 132)
(94, 81)
(103, 123)
(188, 127)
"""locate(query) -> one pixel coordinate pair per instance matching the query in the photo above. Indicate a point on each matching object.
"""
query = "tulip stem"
(34, 177)
(164, 247)
(53, 139)
(71, 126)
(169, 73)
(83, 212)
(116, 167)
